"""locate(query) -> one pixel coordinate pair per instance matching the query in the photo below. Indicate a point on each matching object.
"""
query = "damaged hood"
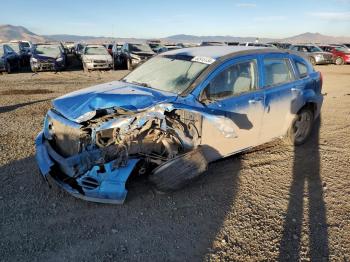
(81, 105)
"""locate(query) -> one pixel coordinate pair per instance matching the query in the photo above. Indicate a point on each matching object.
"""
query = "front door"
(233, 96)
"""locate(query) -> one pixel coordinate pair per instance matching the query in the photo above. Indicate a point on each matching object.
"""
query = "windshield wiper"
(140, 84)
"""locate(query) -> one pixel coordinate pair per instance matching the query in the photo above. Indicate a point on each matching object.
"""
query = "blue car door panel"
(280, 89)
(234, 90)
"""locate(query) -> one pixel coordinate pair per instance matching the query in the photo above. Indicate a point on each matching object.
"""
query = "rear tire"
(339, 61)
(301, 127)
(179, 172)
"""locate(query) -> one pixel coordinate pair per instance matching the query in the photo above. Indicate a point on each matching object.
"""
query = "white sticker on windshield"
(203, 59)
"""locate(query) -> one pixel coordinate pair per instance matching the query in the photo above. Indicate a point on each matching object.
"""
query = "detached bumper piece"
(102, 183)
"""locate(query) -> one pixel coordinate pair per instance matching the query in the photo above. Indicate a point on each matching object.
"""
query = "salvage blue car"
(173, 115)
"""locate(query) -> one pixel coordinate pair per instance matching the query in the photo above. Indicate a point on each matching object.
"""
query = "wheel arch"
(312, 105)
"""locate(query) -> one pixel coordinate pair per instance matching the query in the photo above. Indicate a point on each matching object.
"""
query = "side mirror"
(204, 96)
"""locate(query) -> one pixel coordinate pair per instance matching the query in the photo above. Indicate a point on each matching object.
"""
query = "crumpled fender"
(42, 156)
(110, 181)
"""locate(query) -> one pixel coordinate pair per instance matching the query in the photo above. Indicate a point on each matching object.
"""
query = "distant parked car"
(9, 60)
(22, 52)
(280, 45)
(341, 45)
(170, 47)
(316, 55)
(257, 44)
(69, 46)
(341, 55)
(347, 45)
(173, 115)
(212, 43)
(109, 48)
(96, 57)
(132, 55)
(116, 50)
(26, 45)
(187, 45)
(47, 57)
(232, 43)
(157, 47)
(78, 50)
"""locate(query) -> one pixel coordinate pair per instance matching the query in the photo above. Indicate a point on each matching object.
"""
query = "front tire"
(339, 61)
(312, 61)
(301, 127)
(179, 171)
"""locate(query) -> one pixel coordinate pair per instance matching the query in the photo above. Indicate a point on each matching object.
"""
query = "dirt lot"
(276, 202)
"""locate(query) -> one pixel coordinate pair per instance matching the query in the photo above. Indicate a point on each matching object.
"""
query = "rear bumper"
(101, 183)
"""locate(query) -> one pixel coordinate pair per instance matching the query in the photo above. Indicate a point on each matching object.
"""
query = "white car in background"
(96, 57)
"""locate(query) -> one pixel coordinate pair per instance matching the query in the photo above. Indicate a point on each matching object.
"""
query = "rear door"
(281, 89)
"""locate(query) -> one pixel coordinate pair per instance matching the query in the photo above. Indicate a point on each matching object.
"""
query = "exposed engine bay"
(152, 135)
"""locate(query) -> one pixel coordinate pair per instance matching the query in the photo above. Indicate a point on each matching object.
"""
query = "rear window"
(302, 69)
(277, 71)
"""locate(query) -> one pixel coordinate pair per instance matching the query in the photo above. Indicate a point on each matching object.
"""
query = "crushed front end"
(93, 159)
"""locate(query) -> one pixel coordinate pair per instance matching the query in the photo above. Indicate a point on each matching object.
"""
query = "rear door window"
(277, 71)
(302, 69)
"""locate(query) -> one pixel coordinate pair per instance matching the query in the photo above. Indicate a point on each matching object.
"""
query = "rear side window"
(234, 80)
(302, 69)
(277, 71)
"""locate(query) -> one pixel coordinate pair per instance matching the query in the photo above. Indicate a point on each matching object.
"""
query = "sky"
(151, 18)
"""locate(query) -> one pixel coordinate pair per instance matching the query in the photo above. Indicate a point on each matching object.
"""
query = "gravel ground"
(275, 202)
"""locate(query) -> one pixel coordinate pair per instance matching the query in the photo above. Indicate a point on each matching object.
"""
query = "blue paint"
(109, 95)
(112, 181)
(82, 105)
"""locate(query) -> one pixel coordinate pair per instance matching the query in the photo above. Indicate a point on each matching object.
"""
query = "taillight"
(321, 81)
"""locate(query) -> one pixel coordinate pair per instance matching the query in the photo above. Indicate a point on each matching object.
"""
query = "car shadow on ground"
(6, 109)
(306, 173)
(45, 224)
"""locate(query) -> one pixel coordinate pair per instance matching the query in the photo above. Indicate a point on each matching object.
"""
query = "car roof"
(216, 52)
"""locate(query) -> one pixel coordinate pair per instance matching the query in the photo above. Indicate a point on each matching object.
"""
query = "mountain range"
(11, 32)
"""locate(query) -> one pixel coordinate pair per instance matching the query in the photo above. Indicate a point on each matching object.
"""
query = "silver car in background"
(316, 55)
(96, 57)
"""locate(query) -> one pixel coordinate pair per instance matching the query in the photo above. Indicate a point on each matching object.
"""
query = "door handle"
(255, 100)
(297, 89)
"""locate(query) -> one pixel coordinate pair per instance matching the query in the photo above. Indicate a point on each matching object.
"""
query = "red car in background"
(341, 55)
